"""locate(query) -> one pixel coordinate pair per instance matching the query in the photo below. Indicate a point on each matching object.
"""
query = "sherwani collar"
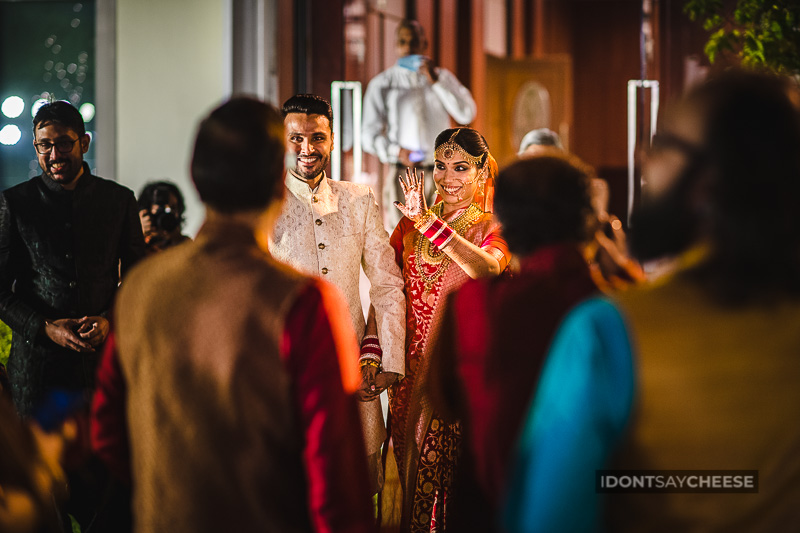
(299, 187)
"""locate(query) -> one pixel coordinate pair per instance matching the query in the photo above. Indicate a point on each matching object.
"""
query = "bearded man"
(331, 229)
(66, 237)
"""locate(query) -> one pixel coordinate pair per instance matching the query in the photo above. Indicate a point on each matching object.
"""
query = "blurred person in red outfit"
(495, 331)
(229, 376)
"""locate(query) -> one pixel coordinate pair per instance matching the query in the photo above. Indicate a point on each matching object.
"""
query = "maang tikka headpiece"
(448, 150)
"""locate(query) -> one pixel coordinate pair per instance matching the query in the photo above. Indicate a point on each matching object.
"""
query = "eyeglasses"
(63, 147)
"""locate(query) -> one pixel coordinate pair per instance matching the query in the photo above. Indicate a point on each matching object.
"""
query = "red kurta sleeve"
(109, 427)
(319, 346)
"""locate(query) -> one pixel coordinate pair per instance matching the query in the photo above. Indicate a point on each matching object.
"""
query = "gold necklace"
(427, 253)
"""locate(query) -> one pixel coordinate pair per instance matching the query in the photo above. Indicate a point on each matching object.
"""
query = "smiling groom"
(331, 229)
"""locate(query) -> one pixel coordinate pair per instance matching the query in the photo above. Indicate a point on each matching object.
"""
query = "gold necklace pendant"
(427, 254)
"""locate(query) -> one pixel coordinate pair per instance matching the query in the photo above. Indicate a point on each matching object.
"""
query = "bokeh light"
(87, 111)
(13, 106)
(36, 105)
(10, 135)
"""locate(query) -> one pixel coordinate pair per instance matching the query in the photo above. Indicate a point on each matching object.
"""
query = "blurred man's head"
(238, 159)
(538, 142)
(410, 38)
(724, 170)
(543, 200)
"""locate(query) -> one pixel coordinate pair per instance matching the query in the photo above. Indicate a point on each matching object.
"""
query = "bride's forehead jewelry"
(449, 150)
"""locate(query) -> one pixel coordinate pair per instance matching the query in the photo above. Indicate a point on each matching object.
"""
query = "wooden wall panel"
(473, 71)
(517, 29)
(506, 78)
(606, 55)
(285, 43)
(447, 31)
(327, 45)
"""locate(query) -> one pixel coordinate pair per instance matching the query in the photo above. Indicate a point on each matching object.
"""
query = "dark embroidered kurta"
(60, 254)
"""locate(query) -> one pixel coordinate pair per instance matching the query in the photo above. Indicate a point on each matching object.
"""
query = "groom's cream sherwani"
(332, 232)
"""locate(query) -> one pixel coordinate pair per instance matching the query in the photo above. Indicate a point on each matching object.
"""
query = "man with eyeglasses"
(66, 237)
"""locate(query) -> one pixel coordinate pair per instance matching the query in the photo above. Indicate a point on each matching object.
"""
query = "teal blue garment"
(580, 409)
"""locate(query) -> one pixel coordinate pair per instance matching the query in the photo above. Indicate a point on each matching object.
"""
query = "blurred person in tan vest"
(229, 375)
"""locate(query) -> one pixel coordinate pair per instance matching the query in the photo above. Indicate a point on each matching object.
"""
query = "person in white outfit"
(405, 107)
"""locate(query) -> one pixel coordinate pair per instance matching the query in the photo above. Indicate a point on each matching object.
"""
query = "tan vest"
(717, 388)
(215, 444)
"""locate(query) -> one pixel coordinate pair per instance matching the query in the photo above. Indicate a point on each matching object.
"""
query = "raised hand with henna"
(413, 190)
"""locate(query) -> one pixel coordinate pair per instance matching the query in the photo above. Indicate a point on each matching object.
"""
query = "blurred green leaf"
(5, 343)
(761, 33)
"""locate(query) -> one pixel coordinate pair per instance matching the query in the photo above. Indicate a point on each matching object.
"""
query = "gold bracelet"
(368, 355)
(370, 362)
(425, 221)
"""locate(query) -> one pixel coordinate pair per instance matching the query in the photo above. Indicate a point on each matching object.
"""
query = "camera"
(165, 217)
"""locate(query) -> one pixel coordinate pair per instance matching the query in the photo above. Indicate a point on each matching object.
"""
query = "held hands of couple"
(79, 334)
(374, 382)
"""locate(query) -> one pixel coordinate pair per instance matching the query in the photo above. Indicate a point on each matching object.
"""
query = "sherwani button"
(324, 270)
(321, 246)
(318, 222)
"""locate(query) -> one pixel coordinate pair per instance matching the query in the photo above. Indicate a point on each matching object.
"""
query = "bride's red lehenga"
(425, 447)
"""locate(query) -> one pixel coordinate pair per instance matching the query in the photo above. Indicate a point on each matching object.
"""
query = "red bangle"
(434, 228)
(371, 348)
(439, 233)
(445, 237)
